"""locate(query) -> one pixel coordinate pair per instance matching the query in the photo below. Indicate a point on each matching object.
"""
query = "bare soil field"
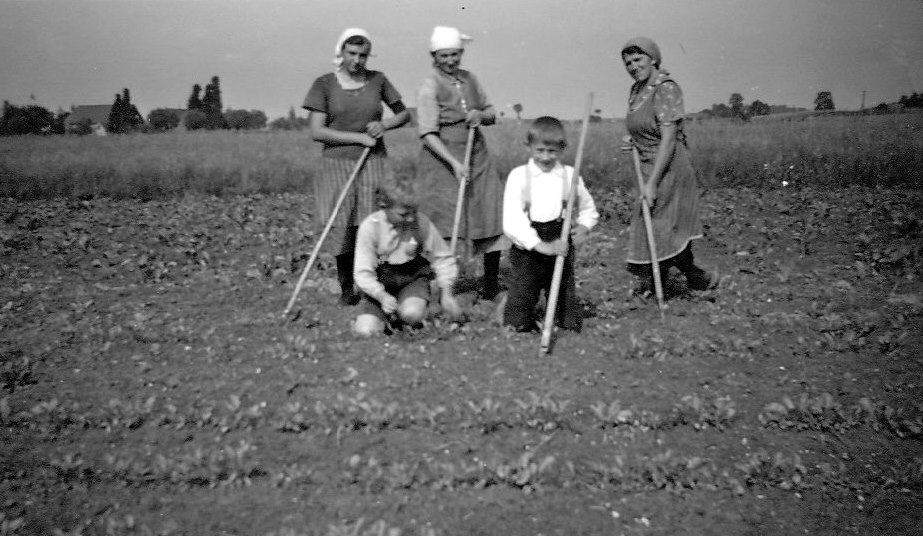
(151, 386)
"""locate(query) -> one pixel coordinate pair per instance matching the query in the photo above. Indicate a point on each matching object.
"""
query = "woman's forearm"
(434, 143)
(330, 136)
(397, 120)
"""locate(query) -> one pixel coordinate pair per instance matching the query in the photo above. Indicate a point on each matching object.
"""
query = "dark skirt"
(482, 213)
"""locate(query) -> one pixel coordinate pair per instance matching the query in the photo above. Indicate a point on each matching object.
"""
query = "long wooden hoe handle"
(323, 236)
(552, 301)
(460, 202)
(648, 226)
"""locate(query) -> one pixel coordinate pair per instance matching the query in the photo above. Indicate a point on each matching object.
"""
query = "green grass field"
(827, 151)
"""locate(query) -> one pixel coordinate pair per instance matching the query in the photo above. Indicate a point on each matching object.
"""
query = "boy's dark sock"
(491, 285)
(348, 294)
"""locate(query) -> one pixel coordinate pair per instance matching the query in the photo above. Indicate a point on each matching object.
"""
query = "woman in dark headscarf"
(346, 116)
(655, 122)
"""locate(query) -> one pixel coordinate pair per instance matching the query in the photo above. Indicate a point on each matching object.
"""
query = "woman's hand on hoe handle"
(461, 172)
(375, 129)
(648, 188)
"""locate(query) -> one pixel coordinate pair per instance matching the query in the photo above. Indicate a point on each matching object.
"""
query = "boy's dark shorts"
(408, 280)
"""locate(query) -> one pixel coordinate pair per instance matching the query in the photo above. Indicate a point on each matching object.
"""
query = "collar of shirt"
(457, 79)
(535, 171)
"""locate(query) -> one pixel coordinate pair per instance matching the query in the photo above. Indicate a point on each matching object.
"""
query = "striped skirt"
(361, 201)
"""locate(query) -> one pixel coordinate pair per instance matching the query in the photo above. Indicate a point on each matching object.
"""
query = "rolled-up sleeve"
(427, 108)
(587, 215)
(366, 260)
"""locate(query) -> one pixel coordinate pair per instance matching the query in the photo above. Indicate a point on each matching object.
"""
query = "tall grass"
(830, 151)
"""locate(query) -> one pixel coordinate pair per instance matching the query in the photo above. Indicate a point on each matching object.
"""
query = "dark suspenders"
(527, 192)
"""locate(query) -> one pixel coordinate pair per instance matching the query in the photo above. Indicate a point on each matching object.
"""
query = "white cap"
(349, 32)
(447, 37)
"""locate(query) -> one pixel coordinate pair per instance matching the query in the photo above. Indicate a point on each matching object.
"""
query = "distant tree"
(736, 105)
(882, 108)
(759, 107)
(913, 101)
(123, 116)
(258, 119)
(32, 119)
(292, 122)
(721, 110)
(58, 127)
(195, 101)
(518, 109)
(211, 104)
(195, 119)
(131, 118)
(824, 101)
(596, 116)
(114, 124)
(245, 120)
(163, 119)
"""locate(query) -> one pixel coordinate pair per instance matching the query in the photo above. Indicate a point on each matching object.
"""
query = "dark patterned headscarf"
(646, 45)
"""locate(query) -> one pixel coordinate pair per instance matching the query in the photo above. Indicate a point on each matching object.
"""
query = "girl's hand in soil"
(555, 247)
(451, 307)
(389, 304)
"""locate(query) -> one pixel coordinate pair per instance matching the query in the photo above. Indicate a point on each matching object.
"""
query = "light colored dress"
(675, 215)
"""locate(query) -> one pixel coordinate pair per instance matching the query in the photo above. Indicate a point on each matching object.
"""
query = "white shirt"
(378, 241)
(547, 199)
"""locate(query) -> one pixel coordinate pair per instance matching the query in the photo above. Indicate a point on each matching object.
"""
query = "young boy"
(534, 203)
(390, 271)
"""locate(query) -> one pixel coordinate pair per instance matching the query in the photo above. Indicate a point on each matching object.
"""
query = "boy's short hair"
(398, 189)
(548, 130)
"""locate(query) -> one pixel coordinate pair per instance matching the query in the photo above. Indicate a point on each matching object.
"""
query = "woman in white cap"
(346, 117)
(655, 122)
(449, 102)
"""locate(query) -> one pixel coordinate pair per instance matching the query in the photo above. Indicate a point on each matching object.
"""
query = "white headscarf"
(349, 32)
(447, 37)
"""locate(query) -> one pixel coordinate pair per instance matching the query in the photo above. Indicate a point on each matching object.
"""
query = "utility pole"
(863, 101)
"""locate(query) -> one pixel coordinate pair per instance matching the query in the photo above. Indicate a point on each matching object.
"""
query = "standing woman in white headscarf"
(449, 102)
(346, 117)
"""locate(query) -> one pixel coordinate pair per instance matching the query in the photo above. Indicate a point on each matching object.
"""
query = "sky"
(546, 55)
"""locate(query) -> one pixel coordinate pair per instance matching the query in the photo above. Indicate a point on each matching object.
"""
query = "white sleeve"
(366, 260)
(587, 214)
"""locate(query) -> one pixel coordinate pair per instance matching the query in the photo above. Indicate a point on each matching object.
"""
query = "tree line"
(203, 111)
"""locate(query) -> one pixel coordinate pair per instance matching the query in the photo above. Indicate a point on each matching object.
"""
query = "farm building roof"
(97, 113)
